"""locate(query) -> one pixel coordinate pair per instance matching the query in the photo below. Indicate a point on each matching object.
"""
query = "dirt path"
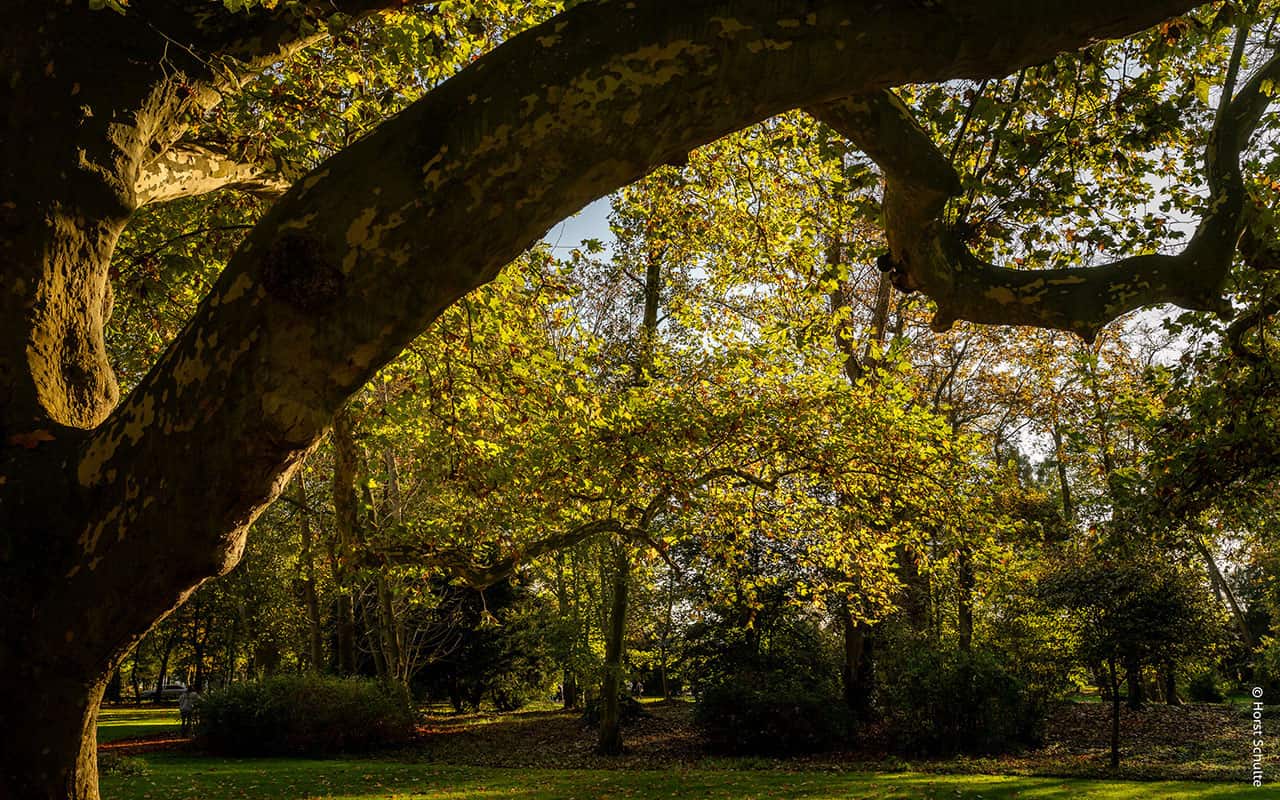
(154, 743)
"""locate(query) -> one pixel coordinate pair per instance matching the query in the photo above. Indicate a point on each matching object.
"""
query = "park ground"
(1197, 750)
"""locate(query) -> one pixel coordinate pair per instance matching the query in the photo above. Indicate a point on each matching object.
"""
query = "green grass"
(126, 723)
(182, 777)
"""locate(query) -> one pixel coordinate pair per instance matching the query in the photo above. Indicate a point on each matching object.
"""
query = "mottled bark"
(189, 169)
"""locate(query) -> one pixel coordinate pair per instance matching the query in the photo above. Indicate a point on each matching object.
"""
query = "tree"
(361, 253)
(1128, 611)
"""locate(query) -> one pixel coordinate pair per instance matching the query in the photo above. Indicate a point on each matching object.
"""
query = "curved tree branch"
(360, 255)
(188, 169)
(208, 40)
(462, 563)
(926, 255)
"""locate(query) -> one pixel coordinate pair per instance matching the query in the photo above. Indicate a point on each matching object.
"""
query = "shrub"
(629, 710)
(941, 702)
(773, 691)
(124, 766)
(1266, 666)
(777, 719)
(304, 715)
(1205, 686)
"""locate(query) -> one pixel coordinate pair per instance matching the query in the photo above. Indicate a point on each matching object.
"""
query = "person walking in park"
(187, 709)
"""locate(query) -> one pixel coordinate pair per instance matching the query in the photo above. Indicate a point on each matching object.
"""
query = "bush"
(1266, 666)
(304, 715)
(124, 766)
(777, 719)
(1205, 686)
(942, 702)
(629, 710)
(773, 691)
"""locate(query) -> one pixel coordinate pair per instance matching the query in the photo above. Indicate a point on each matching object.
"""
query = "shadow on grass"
(169, 776)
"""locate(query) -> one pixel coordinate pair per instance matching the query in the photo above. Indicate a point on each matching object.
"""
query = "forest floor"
(1190, 742)
(544, 753)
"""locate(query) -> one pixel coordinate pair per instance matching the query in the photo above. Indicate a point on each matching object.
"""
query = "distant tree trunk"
(133, 680)
(611, 687)
(392, 628)
(664, 649)
(310, 598)
(373, 633)
(1064, 485)
(114, 688)
(1101, 681)
(568, 682)
(915, 590)
(199, 643)
(1133, 676)
(1223, 589)
(341, 556)
(389, 629)
(855, 674)
(169, 642)
(964, 616)
(1115, 712)
(1170, 676)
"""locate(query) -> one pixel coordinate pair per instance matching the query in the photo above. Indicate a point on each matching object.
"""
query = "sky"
(591, 222)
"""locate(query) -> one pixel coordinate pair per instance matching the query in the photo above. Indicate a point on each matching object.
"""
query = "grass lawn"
(129, 722)
(182, 777)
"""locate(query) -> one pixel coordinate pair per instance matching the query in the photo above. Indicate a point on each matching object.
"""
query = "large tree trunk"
(59, 719)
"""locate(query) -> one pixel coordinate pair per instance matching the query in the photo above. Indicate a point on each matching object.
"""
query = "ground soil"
(1193, 742)
(1190, 742)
